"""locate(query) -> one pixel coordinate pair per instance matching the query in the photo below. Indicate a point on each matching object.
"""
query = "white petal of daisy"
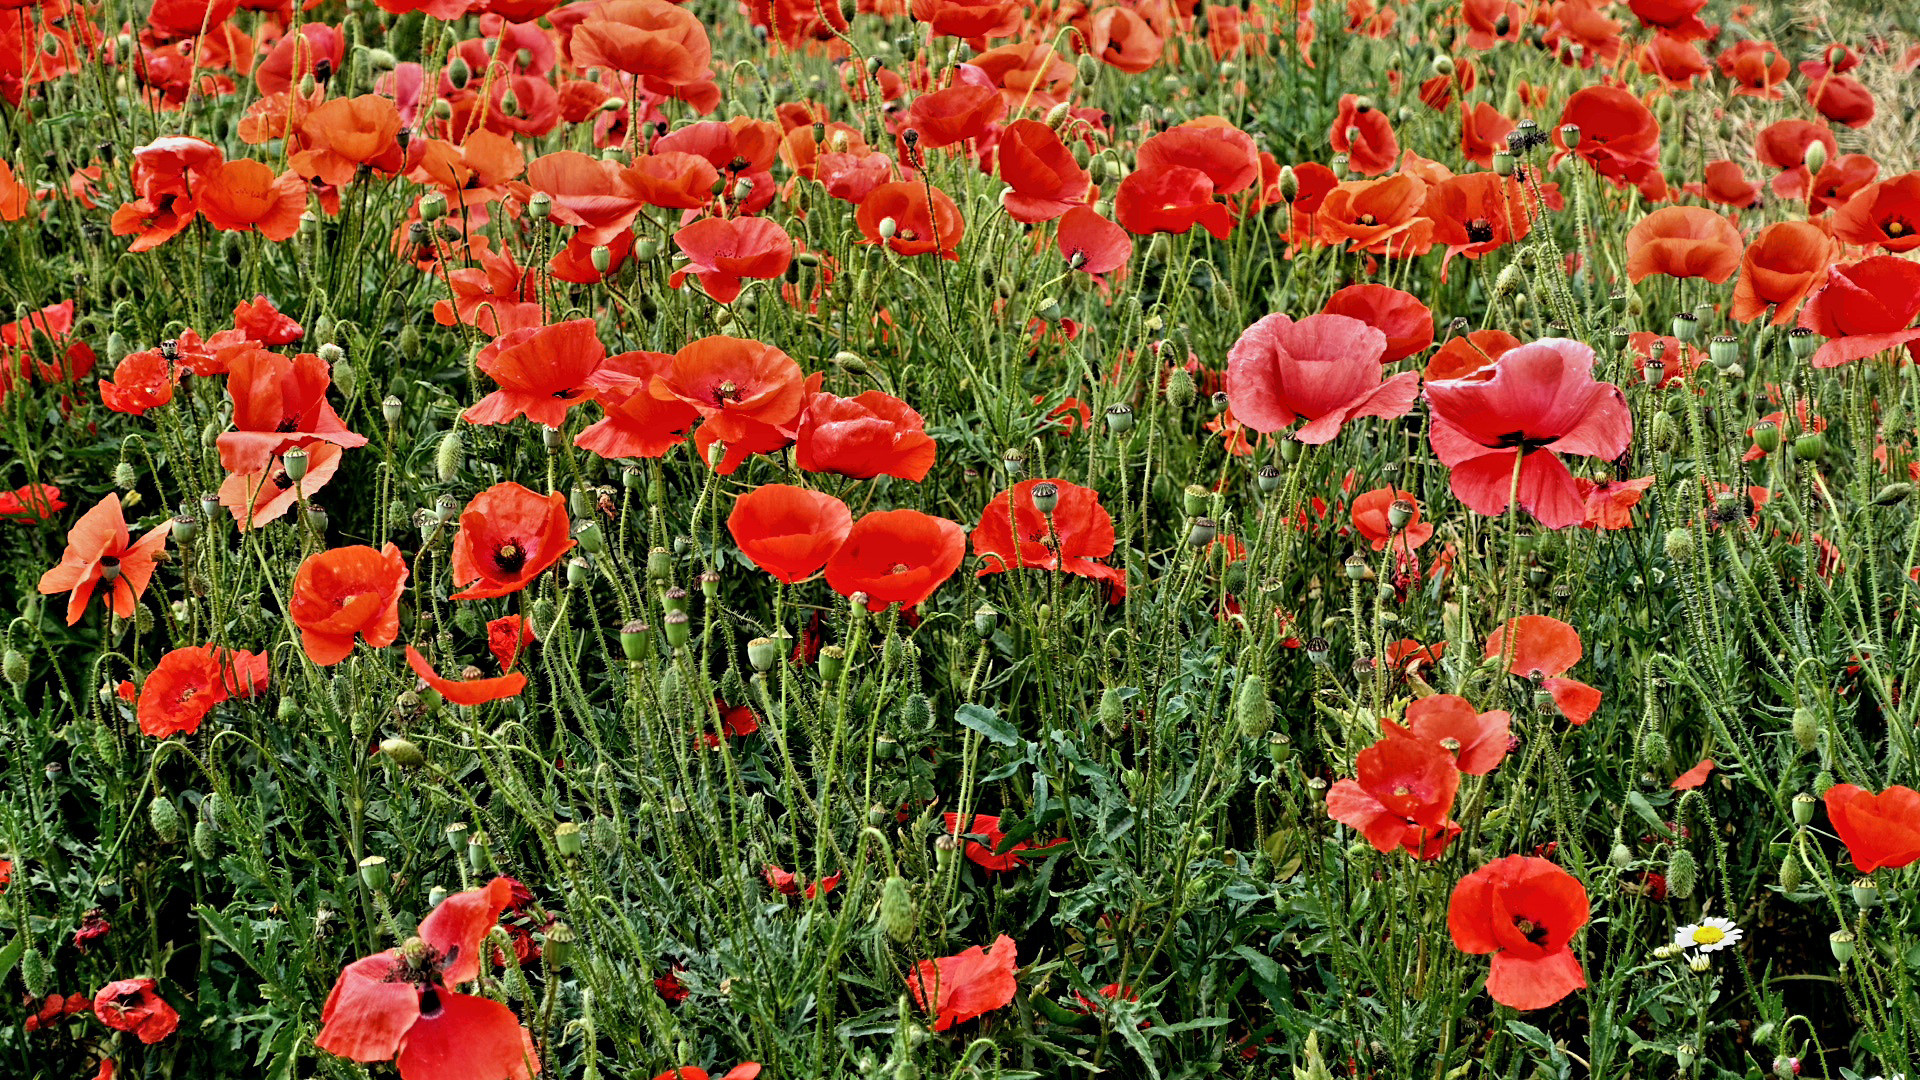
(1710, 934)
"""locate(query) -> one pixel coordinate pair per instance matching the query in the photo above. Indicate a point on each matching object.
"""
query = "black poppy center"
(1897, 228)
(1522, 440)
(290, 424)
(1530, 930)
(510, 557)
(1480, 231)
(430, 1006)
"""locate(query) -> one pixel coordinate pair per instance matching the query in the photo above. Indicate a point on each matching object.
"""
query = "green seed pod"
(165, 818)
(1791, 873)
(457, 837)
(1254, 709)
(1892, 494)
(479, 852)
(896, 909)
(1806, 728)
(1808, 445)
(450, 455)
(1112, 712)
(1683, 873)
(567, 838)
(659, 563)
(375, 875)
(833, 661)
(36, 974)
(1803, 807)
(403, 753)
(558, 950)
(1679, 544)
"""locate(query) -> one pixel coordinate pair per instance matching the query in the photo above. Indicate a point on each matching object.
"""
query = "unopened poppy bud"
(1841, 942)
(679, 629)
(1112, 712)
(449, 456)
(1766, 436)
(125, 476)
(763, 653)
(16, 668)
(307, 85)
(442, 110)
(1201, 531)
(375, 875)
(1253, 709)
(1269, 479)
(1809, 445)
(896, 909)
(1666, 434)
(458, 72)
(165, 818)
(1089, 67)
(833, 661)
(540, 206)
(1046, 496)
(1181, 391)
(1865, 893)
(1815, 157)
(1683, 873)
(402, 753)
(1792, 875)
(1508, 280)
(716, 453)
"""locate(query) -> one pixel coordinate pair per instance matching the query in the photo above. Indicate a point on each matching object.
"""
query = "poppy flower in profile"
(925, 220)
(1477, 740)
(1400, 796)
(506, 636)
(1619, 137)
(1014, 533)
(1524, 910)
(1726, 183)
(508, 535)
(1783, 145)
(1179, 172)
(1676, 19)
(1879, 830)
(787, 883)
(635, 424)
(1541, 403)
(541, 372)
(722, 251)
(954, 115)
(1091, 243)
(101, 552)
(141, 381)
(986, 827)
(1544, 647)
(135, 1007)
(1757, 67)
(1398, 314)
(345, 593)
(1683, 242)
(1781, 266)
(399, 1005)
(246, 196)
(278, 404)
(30, 504)
(790, 532)
(868, 435)
(466, 691)
(736, 384)
(1674, 62)
(958, 988)
(1470, 356)
(1043, 179)
(1483, 133)
(746, 1070)
(1324, 369)
(1370, 517)
(649, 39)
(1842, 99)
(1864, 308)
(1886, 213)
(260, 321)
(897, 557)
(1365, 135)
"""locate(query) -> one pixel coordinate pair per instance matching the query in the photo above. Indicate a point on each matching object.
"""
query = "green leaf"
(988, 723)
(1262, 965)
(10, 955)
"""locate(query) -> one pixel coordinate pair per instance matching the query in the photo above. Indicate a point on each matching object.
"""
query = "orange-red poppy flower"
(1470, 356)
(790, 532)
(278, 403)
(649, 39)
(1477, 740)
(1170, 200)
(1886, 214)
(674, 181)
(636, 424)
(1475, 213)
(736, 384)
(255, 499)
(31, 504)
(1091, 243)
(722, 251)
(1683, 242)
(1545, 647)
(981, 851)
(542, 372)
(1401, 795)
(1524, 910)
(1324, 369)
(1043, 179)
(897, 557)
(1379, 217)
(1073, 536)
(1842, 99)
(1758, 67)
(1726, 183)
(245, 196)
(1610, 503)
(1406, 322)
(468, 691)
(506, 636)
(1619, 137)
(871, 434)
(958, 988)
(1863, 308)
(1483, 133)
(924, 220)
(141, 381)
(100, 551)
(958, 113)
(1782, 265)
(1122, 39)
(1370, 517)
(345, 593)
(1879, 830)
(1783, 145)
(188, 682)
(1839, 180)
(508, 534)
(135, 1007)
(345, 134)
(1694, 777)
(1365, 135)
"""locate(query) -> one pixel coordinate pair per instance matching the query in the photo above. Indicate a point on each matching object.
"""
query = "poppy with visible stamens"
(508, 535)
(1401, 795)
(1476, 213)
(925, 220)
(736, 384)
(1365, 136)
(347, 592)
(1886, 214)
(541, 372)
(1101, 246)
(1477, 740)
(278, 403)
(1077, 532)
(1525, 911)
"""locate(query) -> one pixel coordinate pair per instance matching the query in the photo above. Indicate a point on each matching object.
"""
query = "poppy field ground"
(913, 539)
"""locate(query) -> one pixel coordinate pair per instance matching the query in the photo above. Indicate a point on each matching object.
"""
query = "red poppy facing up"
(1547, 648)
(508, 535)
(1398, 314)
(872, 434)
(344, 593)
(541, 371)
(1504, 436)
(958, 988)
(923, 223)
(1043, 180)
(399, 1005)
(737, 384)
(133, 1006)
(988, 855)
(1524, 911)
(1886, 213)
(1782, 265)
(1864, 308)
(790, 532)
(188, 682)
(897, 557)
(100, 551)
(1683, 242)
(469, 691)
(1401, 795)
(1324, 369)
(1879, 830)
(341, 136)
(278, 403)
(1014, 533)
(1477, 740)
(1371, 516)
(636, 424)
(722, 251)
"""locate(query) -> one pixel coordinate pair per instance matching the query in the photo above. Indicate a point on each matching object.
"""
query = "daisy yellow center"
(1709, 935)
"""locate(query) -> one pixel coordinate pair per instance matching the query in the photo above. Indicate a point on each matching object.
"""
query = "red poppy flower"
(1483, 133)
(344, 593)
(1091, 243)
(399, 1005)
(188, 682)
(1401, 795)
(674, 181)
(1483, 20)
(1398, 314)
(1474, 214)
(133, 1006)
(972, 19)
(1879, 830)
(1324, 369)
(1541, 402)
(987, 828)
(636, 424)
(1524, 911)
(790, 532)
(954, 115)
(872, 434)
(1842, 99)
(1619, 137)
(897, 557)
(1694, 777)
(260, 321)
(256, 499)
(344, 134)
(508, 535)
(101, 551)
(1886, 213)
(246, 196)
(470, 691)
(1370, 518)
(541, 371)
(722, 251)
(506, 636)
(735, 383)
(925, 220)
(1610, 503)
(651, 39)
(1546, 647)
(1014, 533)
(1043, 179)
(1170, 200)
(1366, 136)
(1782, 265)
(278, 403)
(746, 1070)
(1783, 145)
(31, 504)
(1757, 66)
(1470, 356)
(1678, 19)
(958, 988)
(1683, 242)
(1839, 180)
(1379, 217)
(1726, 183)
(787, 883)
(1477, 740)
(1864, 308)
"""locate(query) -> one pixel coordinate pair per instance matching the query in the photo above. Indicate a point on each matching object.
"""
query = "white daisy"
(1710, 934)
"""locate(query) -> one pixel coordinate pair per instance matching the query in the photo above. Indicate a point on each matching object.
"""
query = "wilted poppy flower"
(987, 828)
(278, 403)
(1683, 242)
(1886, 213)
(1524, 910)
(99, 552)
(790, 532)
(1864, 308)
(344, 593)
(1014, 533)
(1401, 795)
(399, 1005)
(1406, 322)
(188, 682)
(1370, 517)
(897, 557)
(1541, 402)
(722, 251)
(1324, 369)
(541, 371)
(1044, 180)
(1545, 647)
(508, 534)
(1879, 830)
(1477, 740)
(958, 988)
(871, 434)
(735, 383)
(1366, 136)
(30, 504)
(506, 636)
(650, 39)
(1619, 137)
(135, 1007)
(474, 691)
(1782, 265)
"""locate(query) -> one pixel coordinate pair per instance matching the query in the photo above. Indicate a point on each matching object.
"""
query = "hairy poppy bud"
(896, 909)
(1683, 873)
(1815, 157)
(1620, 857)
(1112, 712)
(449, 456)
(15, 667)
(1792, 875)
(1181, 391)
(165, 819)
(1253, 708)
(402, 752)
